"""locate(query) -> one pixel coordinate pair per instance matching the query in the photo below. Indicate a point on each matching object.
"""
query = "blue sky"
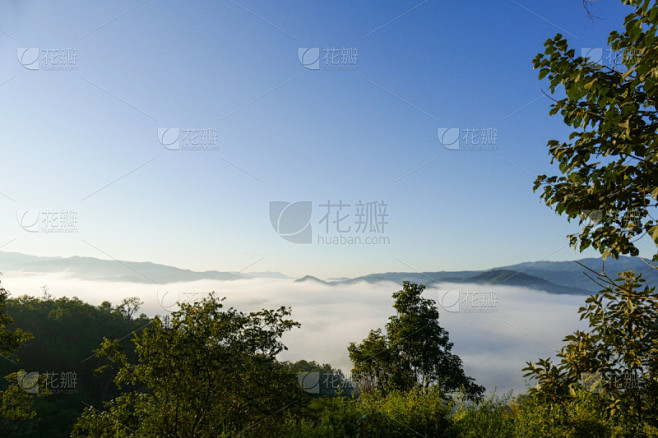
(84, 138)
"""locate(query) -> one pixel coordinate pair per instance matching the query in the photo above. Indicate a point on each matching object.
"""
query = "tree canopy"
(206, 372)
(616, 360)
(414, 351)
(609, 164)
(605, 382)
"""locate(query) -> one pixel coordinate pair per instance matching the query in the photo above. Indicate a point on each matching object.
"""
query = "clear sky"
(89, 90)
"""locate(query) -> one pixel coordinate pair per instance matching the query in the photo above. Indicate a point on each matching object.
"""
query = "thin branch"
(594, 281)
(653, 266)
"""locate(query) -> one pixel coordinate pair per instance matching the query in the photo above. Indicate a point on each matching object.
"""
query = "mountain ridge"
(554, 277)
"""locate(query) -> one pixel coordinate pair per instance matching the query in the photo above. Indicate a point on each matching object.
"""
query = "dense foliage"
(609, 165)
(211, 371)
(606, 380)
(614, 366)
(208, 371)
(414, 352)
(62, 335)
(15, 406)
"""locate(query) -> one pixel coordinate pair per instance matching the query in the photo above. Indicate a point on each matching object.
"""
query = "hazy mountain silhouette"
(553, 277)
(571, 273)
(311, 278)
(89, 268)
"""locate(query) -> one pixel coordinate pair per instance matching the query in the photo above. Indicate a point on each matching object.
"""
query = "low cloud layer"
(494, 337)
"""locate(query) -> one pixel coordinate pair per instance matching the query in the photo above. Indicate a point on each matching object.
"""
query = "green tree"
(15, 403)
(415, 351)
(420, 412)
(605, 380)
(617, 359)
(207, 372)
(66, 331)
(609, 165)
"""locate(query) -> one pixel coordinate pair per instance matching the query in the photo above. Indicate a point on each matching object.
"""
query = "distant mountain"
(310, 278)
(505, 277)
(414, 277)
(498, 277)
(552, 277)
(89, 268)
(572, 274)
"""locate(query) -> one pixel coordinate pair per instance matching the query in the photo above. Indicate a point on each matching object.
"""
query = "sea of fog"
(495, 330)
